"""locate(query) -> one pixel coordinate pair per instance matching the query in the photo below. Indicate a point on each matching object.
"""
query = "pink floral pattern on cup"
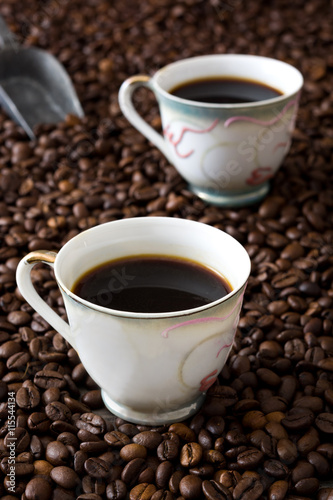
(176, 143)
(208, 381)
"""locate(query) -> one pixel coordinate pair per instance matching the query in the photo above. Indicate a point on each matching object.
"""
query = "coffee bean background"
(266, 428)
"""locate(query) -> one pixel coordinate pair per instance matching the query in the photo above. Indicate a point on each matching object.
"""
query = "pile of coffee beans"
(266, 428)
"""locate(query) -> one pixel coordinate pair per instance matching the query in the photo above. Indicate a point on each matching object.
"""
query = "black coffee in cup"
(224, 90)
(151, 284)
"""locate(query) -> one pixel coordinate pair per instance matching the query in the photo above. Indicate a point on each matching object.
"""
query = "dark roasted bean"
(64, 476)
(116, 490)
(148, 439)
(248, 488)
(97, 467)
(215, 491)
(190, 487)
(133, 450)
(57, 453)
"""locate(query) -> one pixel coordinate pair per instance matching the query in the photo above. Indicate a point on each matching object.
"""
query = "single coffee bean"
(320, 463)
(116, 439)
(190, 487)
(250, 458)
(97, 467)
(163, 474)
(215, 491)
(133, 450)
(324, 422)
(149, 439)
(167, 450)
(64, 476)
(58, 411)
(38, 421)
(57, 453)
(92, 423)
(38, 487)
(302, 470)
(174, 481)
(307, 486)
(190, 454)
(132, 470)
(182, 431)
(116, 490)
(49, 378)
(143, 491)
(286, 451)
(276, 469)
(278, 490)
(248, 488)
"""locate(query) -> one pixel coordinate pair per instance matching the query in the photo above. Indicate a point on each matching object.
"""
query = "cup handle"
(23, 279)
(126, 91)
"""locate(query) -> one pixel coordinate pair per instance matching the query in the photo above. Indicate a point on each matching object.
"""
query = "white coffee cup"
(152, 367)
(226, 152)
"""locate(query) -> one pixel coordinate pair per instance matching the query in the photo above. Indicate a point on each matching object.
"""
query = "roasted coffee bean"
(248, 488)
(286, 451)
(58, 411)
(182, 431)
(28, 397)
(190, 487)
(278, 490)
(324, 422)
(132, 470)
(116, 439)
(163, 474)
(215, 491)
(48, 378)
(38, 487)
(129, 429)
(149, 439)
(325, 494)
(167, 450)
(190, 455)
(309, 441)
(97, 467)
(38, 421)
(174, 481)
(116, 490)
(320, 463)
(302, 470)
(93, 399)
(276, 469)
(133, 450)
(64, 476)
(307, 486)
(298, 418)
(92, 423)
(57, 453)
(143, 491)
(250, 459)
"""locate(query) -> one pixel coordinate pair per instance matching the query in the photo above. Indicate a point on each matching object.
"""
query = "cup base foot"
(157, 417)
(228, 199)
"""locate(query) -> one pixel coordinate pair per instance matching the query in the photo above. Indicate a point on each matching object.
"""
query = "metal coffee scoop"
(34, 87)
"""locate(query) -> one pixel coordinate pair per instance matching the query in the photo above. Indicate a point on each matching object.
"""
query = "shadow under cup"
(152, 368)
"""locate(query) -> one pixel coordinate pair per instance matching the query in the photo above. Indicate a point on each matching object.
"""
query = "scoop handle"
(7, 38)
